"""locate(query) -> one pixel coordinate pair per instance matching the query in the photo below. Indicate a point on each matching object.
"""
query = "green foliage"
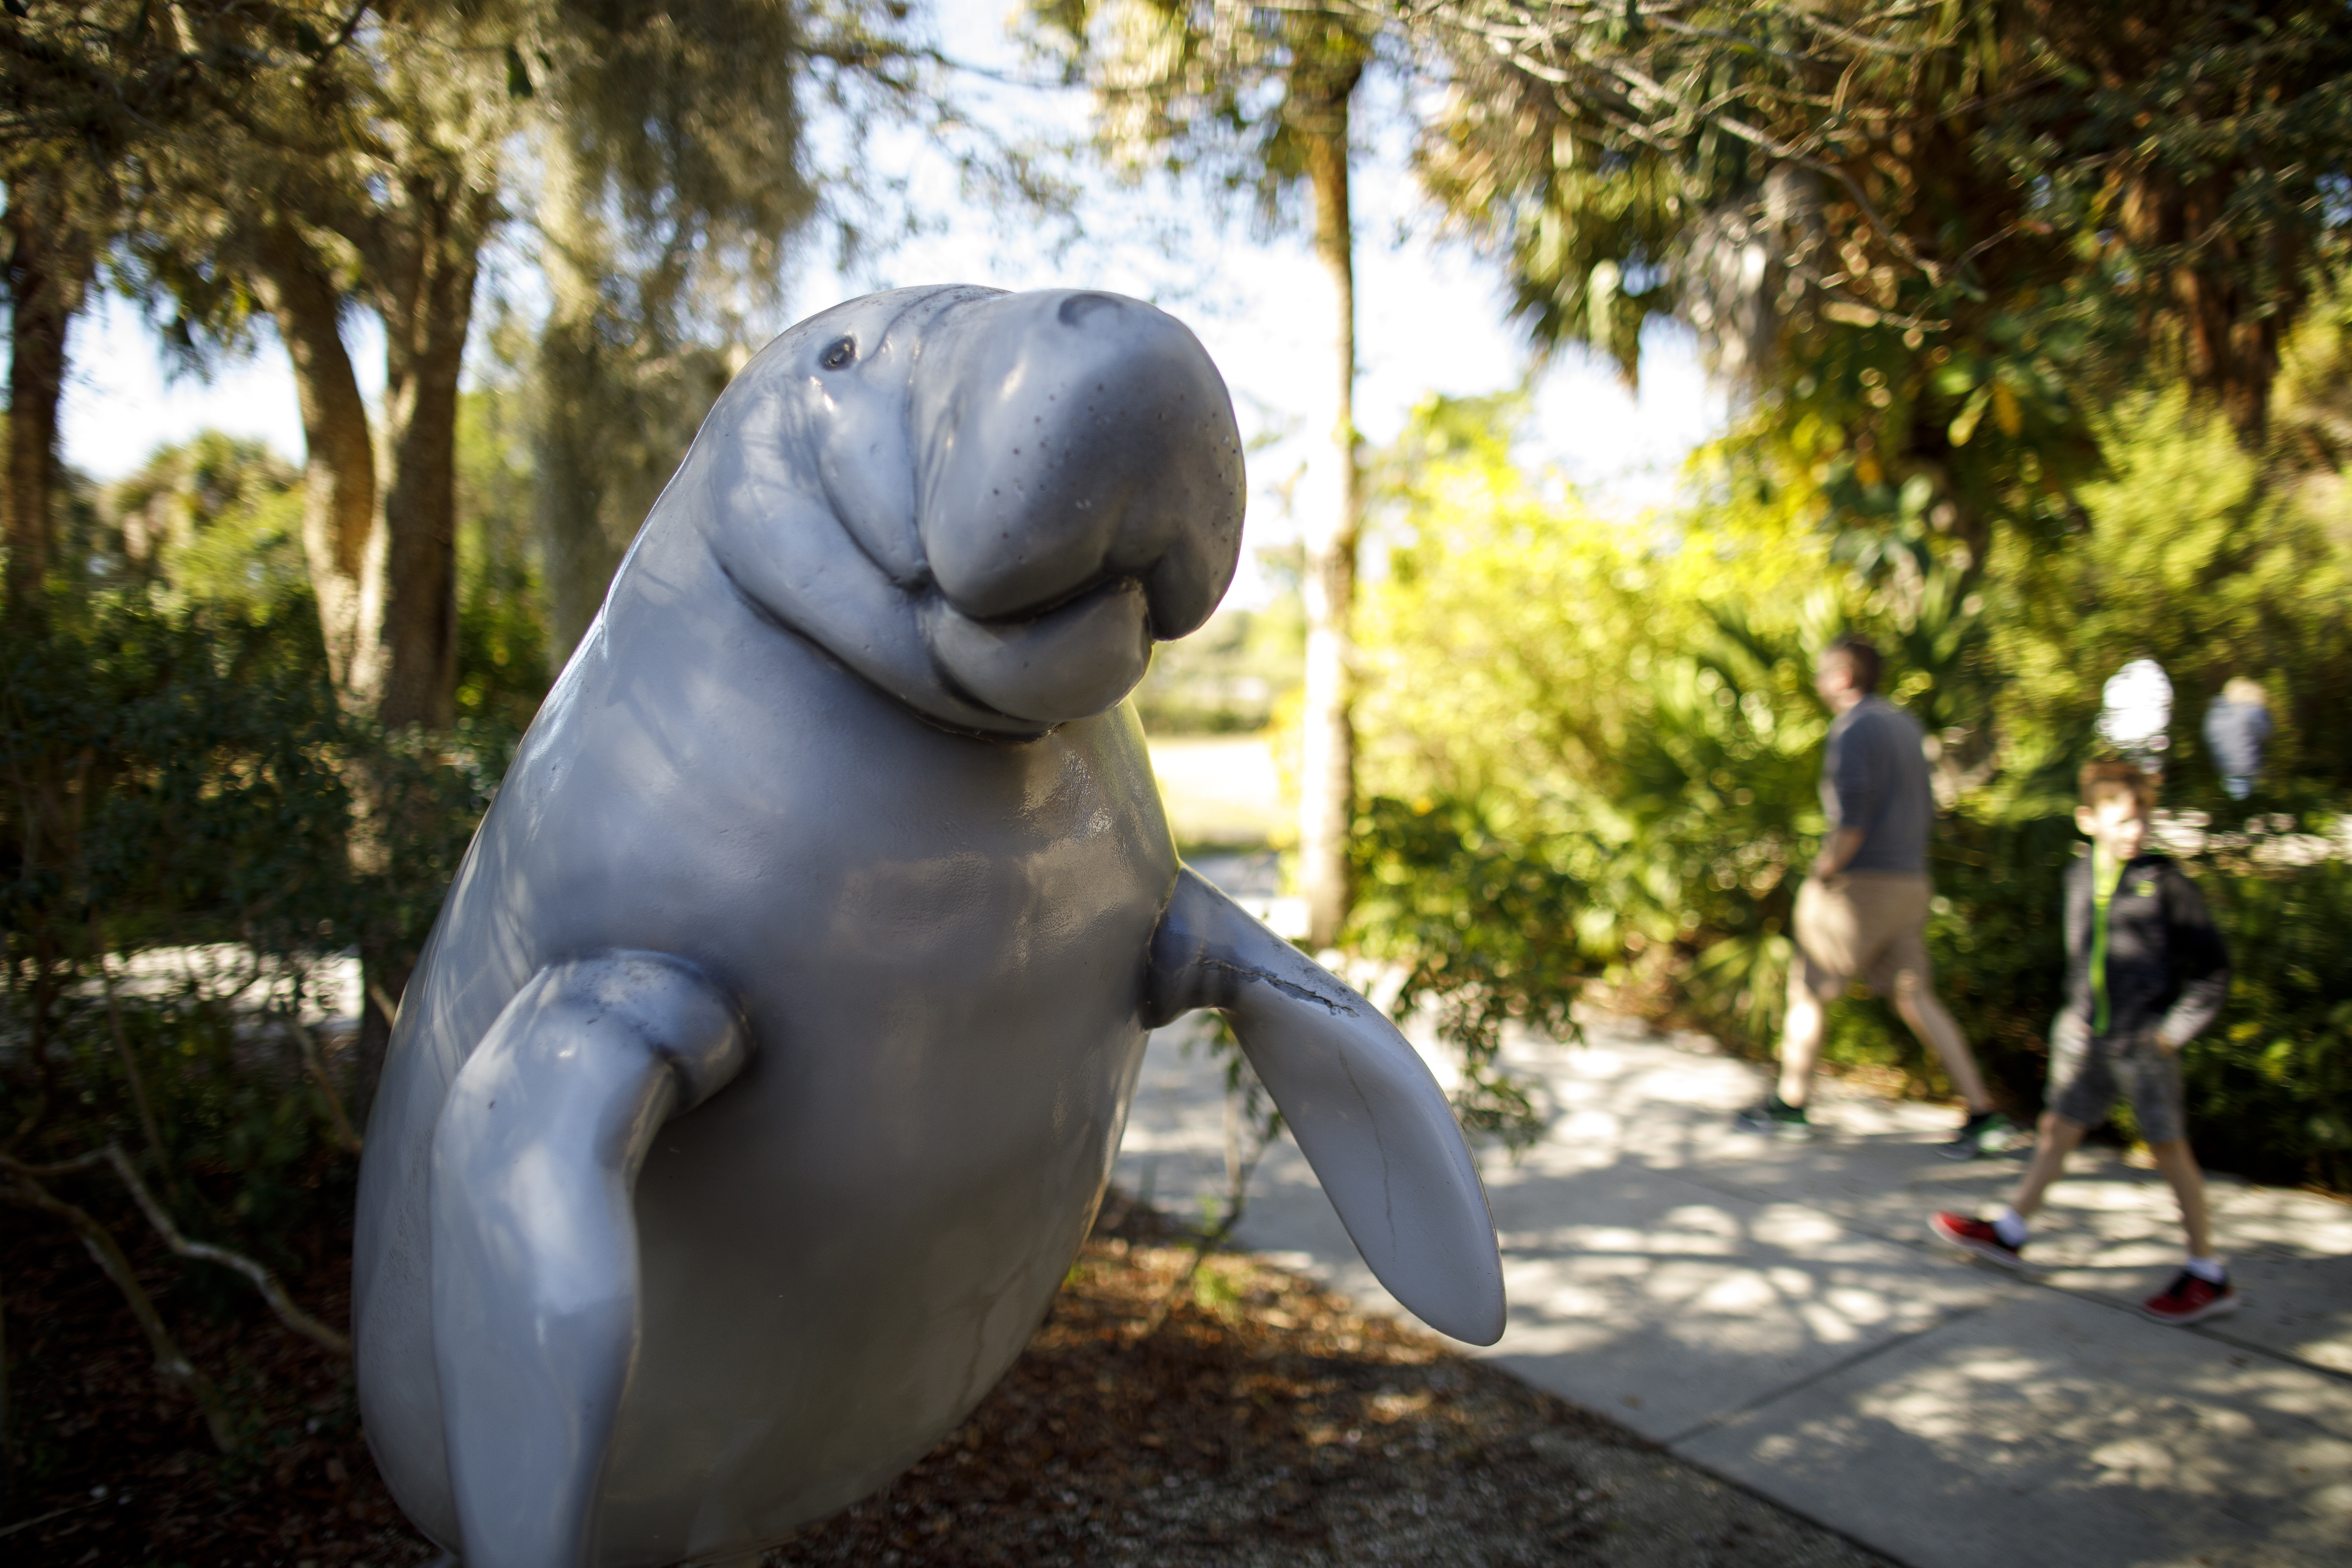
(1481, 916)
(2273, 1087)
(182, 862)
(1239, 95)
(1614, 771)
(502, 639)
(1228, 676)
(171, 775)
(1935, 244)
(2194, 553)
(214, 518)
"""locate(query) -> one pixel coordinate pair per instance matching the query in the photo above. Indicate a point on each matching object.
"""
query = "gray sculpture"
(767, 1064)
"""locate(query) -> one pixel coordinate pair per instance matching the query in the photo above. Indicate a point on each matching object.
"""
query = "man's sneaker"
(1974, 1235)
(2190, 1298)
(1776, 1117)
(1984, 1132)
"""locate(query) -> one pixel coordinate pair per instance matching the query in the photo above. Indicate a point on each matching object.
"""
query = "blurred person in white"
(2135, 711)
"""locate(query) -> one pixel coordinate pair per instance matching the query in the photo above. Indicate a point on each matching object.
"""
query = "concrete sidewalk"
(1775, 1313)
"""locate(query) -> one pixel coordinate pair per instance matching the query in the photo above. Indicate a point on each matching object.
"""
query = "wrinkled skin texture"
(769, 1059)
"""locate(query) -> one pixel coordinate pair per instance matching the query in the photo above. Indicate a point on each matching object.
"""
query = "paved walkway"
(1775, 1313)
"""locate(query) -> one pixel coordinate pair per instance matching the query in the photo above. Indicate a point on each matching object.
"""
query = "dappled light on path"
(1776, 1312)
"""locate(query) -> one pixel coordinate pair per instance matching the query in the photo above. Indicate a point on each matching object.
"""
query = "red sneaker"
(2190, 1298)
(1974, 1235)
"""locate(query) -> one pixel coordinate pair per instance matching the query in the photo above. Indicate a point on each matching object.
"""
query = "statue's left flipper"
(1365, 1110)
(534, 1239)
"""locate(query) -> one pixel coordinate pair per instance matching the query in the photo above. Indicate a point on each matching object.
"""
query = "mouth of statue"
(1073, 659)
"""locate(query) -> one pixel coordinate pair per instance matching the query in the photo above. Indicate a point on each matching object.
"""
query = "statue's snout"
(1077, 441)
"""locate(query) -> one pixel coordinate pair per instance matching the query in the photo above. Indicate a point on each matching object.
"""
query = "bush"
(1481, 914)
(2271, 1090)
(178, 775)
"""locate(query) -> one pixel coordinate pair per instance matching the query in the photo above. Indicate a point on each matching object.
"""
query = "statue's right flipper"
(1367, 1114)
(534, 1239)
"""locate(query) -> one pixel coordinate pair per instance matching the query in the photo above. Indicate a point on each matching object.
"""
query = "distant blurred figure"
(2237, 727)
(2136, 711)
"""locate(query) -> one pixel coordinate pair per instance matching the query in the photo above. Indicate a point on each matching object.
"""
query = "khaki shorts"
(1868, 923)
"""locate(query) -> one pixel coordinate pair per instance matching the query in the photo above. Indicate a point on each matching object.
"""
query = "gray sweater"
(1875, 778)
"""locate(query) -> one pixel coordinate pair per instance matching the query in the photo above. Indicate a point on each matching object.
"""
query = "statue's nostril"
(1078, 307)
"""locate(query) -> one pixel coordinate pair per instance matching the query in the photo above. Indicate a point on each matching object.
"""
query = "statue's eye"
(838, 353)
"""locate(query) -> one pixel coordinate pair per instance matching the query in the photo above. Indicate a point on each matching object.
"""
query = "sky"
(1430, 318)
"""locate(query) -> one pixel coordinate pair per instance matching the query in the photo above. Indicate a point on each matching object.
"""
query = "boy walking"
(2146, 974)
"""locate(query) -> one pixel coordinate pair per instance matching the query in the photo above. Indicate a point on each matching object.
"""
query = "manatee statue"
(764, 1070)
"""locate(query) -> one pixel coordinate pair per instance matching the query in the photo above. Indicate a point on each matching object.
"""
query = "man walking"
(1864, 910)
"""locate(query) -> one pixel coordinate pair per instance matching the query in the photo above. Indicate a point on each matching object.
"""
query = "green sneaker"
(1985, 1133)
(1775, 1117)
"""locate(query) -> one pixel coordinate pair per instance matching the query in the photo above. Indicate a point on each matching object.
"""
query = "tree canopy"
(1899, 225)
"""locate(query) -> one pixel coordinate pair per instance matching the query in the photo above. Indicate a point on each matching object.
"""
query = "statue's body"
(769, 1057)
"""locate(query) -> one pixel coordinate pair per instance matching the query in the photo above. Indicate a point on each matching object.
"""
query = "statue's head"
(989, 504)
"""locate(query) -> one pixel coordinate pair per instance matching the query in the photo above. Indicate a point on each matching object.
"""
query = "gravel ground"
(1243, 1417)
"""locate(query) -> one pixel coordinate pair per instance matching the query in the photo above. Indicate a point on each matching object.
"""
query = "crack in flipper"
(1288, 987)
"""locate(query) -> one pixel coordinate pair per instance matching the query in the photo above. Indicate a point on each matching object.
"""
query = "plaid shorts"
(2088, 1072)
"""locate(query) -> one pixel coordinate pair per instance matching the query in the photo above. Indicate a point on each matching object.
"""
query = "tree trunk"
(1327, 805)
(344, 544)
(619, 389)
(47, 273)
(579, 556)
(2229, 347)
(424, 269)
(427, 304)
(341, 540)
(578, 559)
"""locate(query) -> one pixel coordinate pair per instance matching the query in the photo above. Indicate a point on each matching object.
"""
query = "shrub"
(2271, 1090)
(1480, 910)
(177, 775)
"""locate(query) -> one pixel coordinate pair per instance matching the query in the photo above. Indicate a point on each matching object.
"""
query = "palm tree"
(1259, 98)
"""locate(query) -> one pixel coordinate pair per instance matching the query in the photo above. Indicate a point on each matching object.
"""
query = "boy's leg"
(2002, 1237)
(2202, 1290)
(2081, 1088)
(2151, 1076)
(2179, 1168)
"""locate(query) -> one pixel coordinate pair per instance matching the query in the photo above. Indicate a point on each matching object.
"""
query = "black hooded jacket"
(2167, 965)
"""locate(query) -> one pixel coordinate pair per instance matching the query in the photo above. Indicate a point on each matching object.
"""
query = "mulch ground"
(111, 1469)
(1244, 1418)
